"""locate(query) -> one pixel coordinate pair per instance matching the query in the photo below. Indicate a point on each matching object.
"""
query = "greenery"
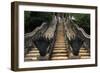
(83, 20)
(34, 19)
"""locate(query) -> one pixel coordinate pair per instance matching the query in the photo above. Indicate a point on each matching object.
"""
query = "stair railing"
(28, 39)
(50, 51)
(50, 48)
(68, 47)
(84, 36)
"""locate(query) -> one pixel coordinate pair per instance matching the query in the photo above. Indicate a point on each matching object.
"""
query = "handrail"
(86, 43)
(80, 29)
(30, 34)
(66, 40)
(29, 38)
(52, 44)
(86, 36)
(50, 48)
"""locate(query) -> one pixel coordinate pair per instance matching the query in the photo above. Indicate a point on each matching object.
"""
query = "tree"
(83, 20)
(34, 19)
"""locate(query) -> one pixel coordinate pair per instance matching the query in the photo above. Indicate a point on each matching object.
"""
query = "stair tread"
(85, 57)
(59, 50)
(83, 50)
(60, 46)
(33, 54)
(60, 43)
(83, 54)
(34, 51)
(59, 58)
(55, 55)
(34, 48)
(33, 58)
(29, 60)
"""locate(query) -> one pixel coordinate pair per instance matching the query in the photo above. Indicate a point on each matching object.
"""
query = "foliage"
(83, 20)
(34, 19)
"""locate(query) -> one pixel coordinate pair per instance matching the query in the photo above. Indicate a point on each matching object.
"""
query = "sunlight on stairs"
(60, 51)
(84, 54)
(32, 55)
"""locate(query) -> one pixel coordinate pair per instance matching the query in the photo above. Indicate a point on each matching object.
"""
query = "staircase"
(32, 55)
(84, 54)
(59, 51)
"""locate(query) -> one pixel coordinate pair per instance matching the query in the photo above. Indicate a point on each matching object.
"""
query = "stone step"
(60, 43)
(61, 40)
(84, 57)
(83, 51)
(57, 54)
(30, 58)
(34, 51)
(32, 54)
(59, 58)
(84, 54)
(58, 48)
